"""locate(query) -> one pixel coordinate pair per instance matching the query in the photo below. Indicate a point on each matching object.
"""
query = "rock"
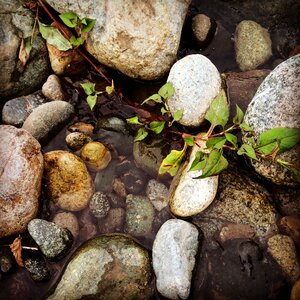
(141, 45)
(139, 215)
(53, 240)
(88, 228)
(6, 260)
(119, 188)
(65, 62)
(149, 156)
(21, 171)
(76, 140)
(283, 251)
(173, 254)
(241, 88)
(15, 79)
(158, 194)
(253, 45)
(16, 111)
(113, 222)
(68, 182)
(189, 196)
(37, 268)
(291, 225)
(201, 26)
(105, 268)
(96, 156)
(295, 293)
(234, 231)
(103, 180)
(52, 89)
(276, 104)
(45, 119)
(196, 83)
(82, 127)
(99, 205)
(67, 220)
(240, 200)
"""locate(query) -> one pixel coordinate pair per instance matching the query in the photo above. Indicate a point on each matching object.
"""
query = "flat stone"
(107, 267)
(45, 119)
(174, 250)
(21, 170)
(253, 45)
(53, 240)
(276, 104)
(196, 83)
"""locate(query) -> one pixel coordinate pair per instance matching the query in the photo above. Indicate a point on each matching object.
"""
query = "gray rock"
(276, 104)
(140, 39)
(157, 192)
(53, 240)
(139, 215)
(99, 205)
(21, 170)
(283, 250)
(201, 25)
(16, 111)
(107, 267)
(188, 195)
(103, 180)
(196, 83)
(15, 79)
(113, 222)
(52, 89)
(37, 268)
(174, 250)
(45, 119)
(253, 45)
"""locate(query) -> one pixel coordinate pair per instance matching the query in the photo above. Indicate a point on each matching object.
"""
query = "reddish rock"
(234, 231)
(21, 168)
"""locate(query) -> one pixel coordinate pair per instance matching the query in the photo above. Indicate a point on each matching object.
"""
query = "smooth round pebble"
(67, 220)
(99, 205)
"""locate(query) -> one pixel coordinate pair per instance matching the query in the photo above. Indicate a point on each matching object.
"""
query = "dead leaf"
(16, 249)
(25, 49)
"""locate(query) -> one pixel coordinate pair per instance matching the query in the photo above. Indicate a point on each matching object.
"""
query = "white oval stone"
(196, 83)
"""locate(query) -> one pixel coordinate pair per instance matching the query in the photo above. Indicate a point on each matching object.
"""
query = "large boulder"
(138, 38)
(21, 171)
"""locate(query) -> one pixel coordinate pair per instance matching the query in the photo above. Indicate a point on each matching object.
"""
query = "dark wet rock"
(174, 250)
(37, 268)
(119, 188)
(143, 45)
(295, 293)
(291, 226)
(276, 104)
(99, 205)
(45, 119)
(139, 215)
(53, 240)
(76, 140)
(16, 79)
(157, 192)
(88, 228)
(253, 45)
(6, 259)
(283, 250)
(160, 218)
(69, 185)
(67, 220)
(114, 131)
(21, 170)
(113, 222)
(53, 90)
(242, 86)
(107, 267)
(16, 111)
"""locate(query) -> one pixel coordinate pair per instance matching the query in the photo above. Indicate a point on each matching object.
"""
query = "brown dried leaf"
(24, 52)
(16, 249)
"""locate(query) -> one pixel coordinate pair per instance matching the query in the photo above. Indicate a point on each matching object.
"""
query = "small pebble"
(99, 205)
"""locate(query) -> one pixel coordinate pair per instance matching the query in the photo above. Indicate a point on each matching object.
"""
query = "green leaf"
(54, 37)
(89, 88)
(76, 41)
(189, 140)
(294, 168)
(141, 134)
(166, 91)
(215, 164)
(178, 114)
(218, 112)
(239, 117)
(286, 138)
(249, 140)
(134, 121)
(246, 127)
(216, 142)
(199, 161)
(172, 162)
(157, 126)
(163, 110)
(247, 150)
(110, 89)
(69, 18)
(88, 24)
(268, 148)
(155, 97)
(91, 100)
(232, 139)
